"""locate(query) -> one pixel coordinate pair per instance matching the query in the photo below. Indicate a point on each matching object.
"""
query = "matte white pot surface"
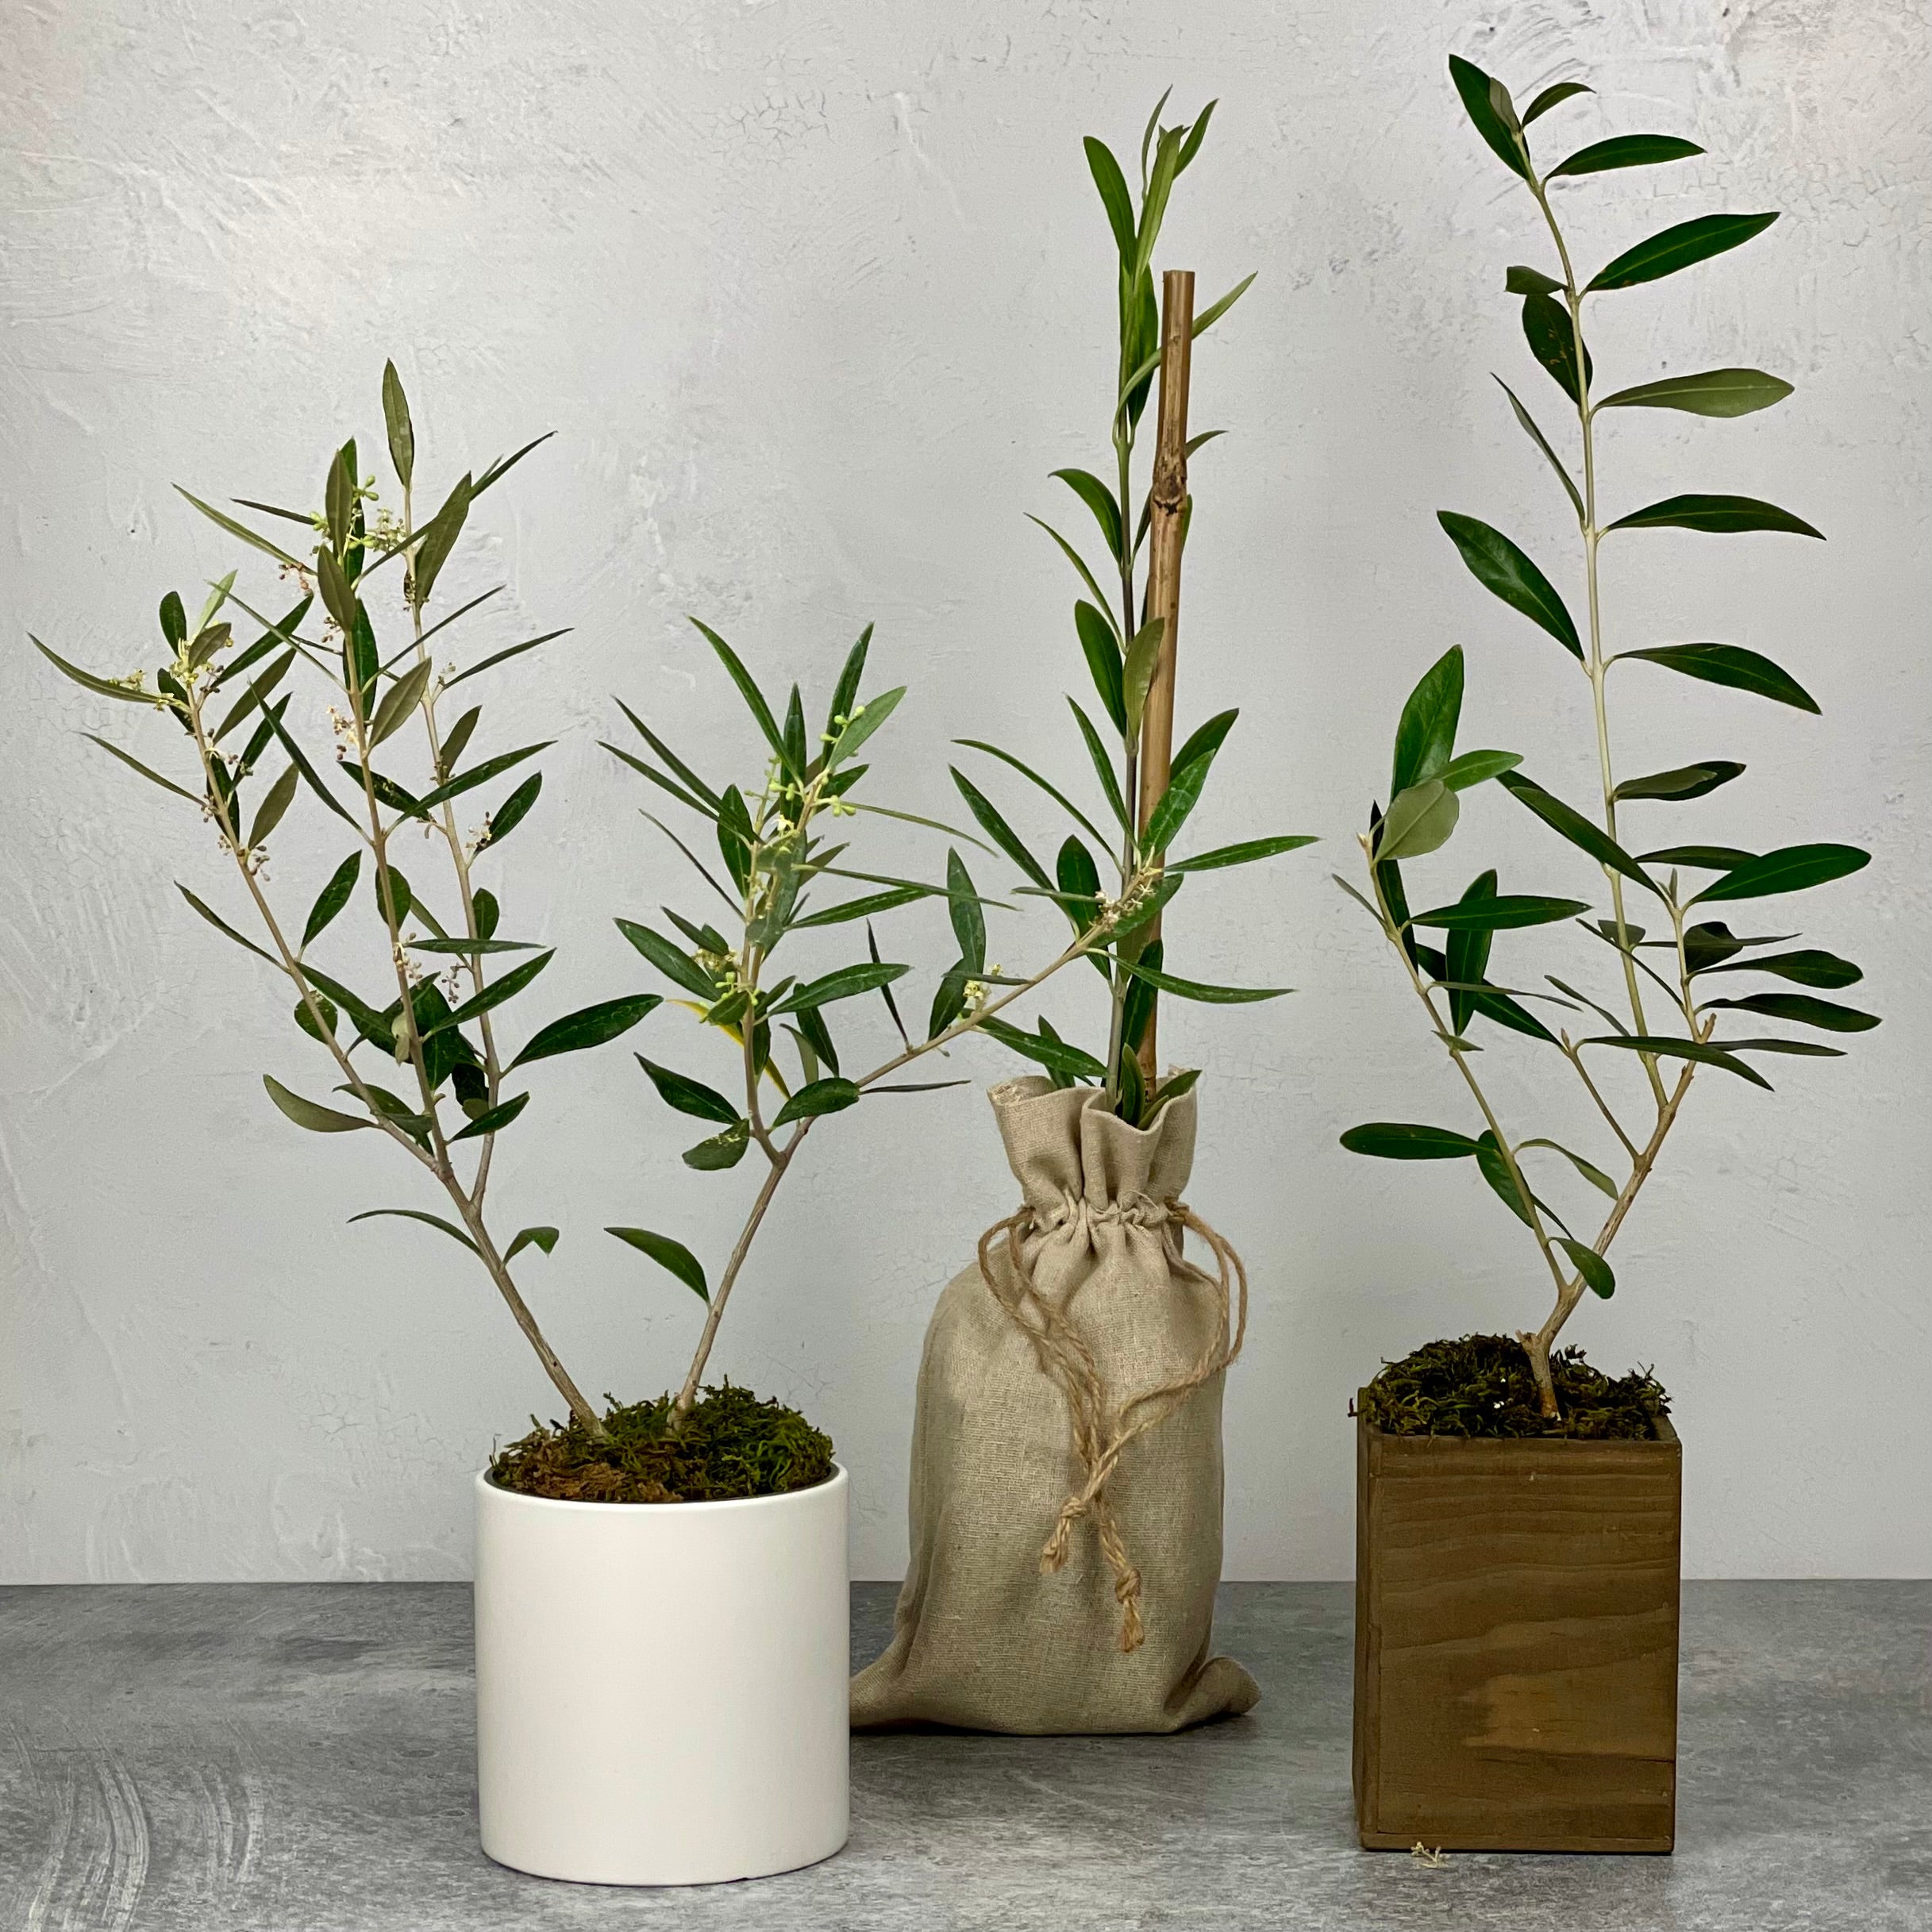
(661, 1687)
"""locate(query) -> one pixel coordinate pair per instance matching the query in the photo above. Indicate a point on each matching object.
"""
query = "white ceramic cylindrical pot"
(661, 1687)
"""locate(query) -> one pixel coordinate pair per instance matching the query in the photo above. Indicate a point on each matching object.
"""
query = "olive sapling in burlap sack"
(1066, 1486)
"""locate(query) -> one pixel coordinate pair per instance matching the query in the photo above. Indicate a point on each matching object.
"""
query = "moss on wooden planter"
(1481, 1385)
(731, 1446)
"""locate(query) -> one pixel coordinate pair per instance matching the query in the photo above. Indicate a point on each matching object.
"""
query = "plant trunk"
(1168, 501)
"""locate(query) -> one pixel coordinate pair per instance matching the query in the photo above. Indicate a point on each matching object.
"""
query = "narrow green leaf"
(1672, 1048)
(669, 960)
(1673, 248)
(1186, 774)
(1426, 733)
(1419, 820)
(587, 1027)
(483, 903)
(1535, 434)
(1102, 650)
(1113, 196)
(1495, 1170)
(721, 1150)
(1596, 1176)
(478, 775)
(411, 1213)
(1519, 280)
(510, 814)
(392, 894)
(241, 530)
(669, 1254)
(438, 538)
(1501, 568)
(1791, 868)
(846, 983)
(1625, 151)
(256, 693)
(494, 995)
(1099, 499)
(1473, 768)
(307, 1114)
(386, 790)
(493, 1119)
(299, 760)
(1143, 656)
(325, 1031)
(1732, 665)
(268, 815)
(1595, 1271)
(864, 907)
(134, 764)
(1244, 853)
(1810, 966)
(1466, 955)
(687, 776)
(845, 693)
(748, 689)
(1196, 989)
(1504, 913)
(1103, 767)
(1213, 314)
(1494, 1004)
(463, 947)
(997, 829)
(1550, 97)
(503, 656)
(1086, 575)
(1398, 1140)
(545, 1238)
(1801, 1008)
(1551, 333)
(1714, 392)
(1198, 133)
(1478, 92)
(1051, 790)
(222, 925)
(1059, 1055)
(396, 419)
(1719, 514)
(105, 688)
(865, 721)
(1689, 781)
(968, 921)
(827, 1096)
(504, 464)
(1576, 828)
(688, 1095)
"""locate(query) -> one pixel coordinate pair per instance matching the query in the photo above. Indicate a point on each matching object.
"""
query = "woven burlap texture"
(983, 1637)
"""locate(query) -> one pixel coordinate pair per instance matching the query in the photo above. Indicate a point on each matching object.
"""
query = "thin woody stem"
(467, 1206)
(780, 1155)
(1456, 1053)
(1592, 535)
(1540, 1344)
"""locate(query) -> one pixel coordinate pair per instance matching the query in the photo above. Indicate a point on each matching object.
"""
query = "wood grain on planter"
(1516, 1643)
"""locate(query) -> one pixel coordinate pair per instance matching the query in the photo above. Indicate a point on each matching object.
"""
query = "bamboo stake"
(1168, 499)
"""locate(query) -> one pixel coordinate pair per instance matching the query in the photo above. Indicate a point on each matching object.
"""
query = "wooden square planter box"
(1516, 1643)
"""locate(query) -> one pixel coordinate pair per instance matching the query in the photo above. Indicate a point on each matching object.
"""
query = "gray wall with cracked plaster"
(814, 298)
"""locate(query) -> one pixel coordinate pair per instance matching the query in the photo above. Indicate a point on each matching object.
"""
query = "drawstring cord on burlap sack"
(1100, 1436)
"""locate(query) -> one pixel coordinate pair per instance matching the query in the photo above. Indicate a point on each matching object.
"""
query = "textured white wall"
(814, 298)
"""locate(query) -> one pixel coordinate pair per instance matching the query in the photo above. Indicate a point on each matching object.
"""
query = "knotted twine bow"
(1102, 1431)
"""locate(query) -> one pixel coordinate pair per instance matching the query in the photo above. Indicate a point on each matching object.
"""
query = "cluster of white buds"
(727, 968)
(407, 962)
(344, 730)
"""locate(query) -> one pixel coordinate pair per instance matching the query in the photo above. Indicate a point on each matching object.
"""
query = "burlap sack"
(1066, 1453)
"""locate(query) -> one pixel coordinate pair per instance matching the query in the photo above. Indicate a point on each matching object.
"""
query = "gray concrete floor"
(297, 1758)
